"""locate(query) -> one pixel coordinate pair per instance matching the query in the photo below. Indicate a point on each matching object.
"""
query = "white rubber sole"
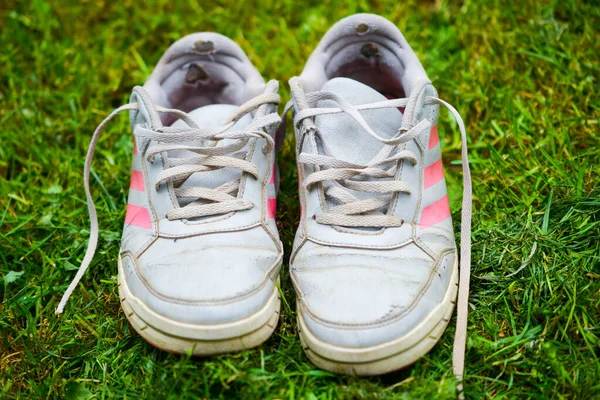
(200, 340)
(385, 357)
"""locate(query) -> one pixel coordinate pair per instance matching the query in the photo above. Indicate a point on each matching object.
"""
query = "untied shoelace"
(210, 157)
(365, 213)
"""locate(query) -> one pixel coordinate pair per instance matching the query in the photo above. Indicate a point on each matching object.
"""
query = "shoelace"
(210, 157)
(369, 213)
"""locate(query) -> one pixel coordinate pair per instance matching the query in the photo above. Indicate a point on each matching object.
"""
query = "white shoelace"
(371, 212)
(205, 201)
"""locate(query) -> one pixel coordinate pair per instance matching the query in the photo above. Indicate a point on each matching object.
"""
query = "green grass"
(525, 78)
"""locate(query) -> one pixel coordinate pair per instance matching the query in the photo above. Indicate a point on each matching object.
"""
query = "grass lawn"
(524, 75)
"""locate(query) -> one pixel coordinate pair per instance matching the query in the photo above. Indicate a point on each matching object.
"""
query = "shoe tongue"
(343, 135)
(213, 115)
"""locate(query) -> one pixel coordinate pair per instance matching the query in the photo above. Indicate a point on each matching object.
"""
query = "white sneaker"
(374, 262)
(200, 252)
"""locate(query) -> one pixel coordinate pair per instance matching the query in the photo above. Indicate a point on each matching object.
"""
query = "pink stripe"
(137, 180)
(138, 216)
(434, 173)
(271, 208)
(434, 138)
(435, 212)
(272, 180)
(134, 147)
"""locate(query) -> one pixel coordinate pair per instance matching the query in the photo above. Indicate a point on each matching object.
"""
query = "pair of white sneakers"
(374, 262)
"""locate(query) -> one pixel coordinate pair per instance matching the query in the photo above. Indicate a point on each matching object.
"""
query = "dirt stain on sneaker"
(361, 29)
(204, 47)
(370, 51)
(195, 73)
